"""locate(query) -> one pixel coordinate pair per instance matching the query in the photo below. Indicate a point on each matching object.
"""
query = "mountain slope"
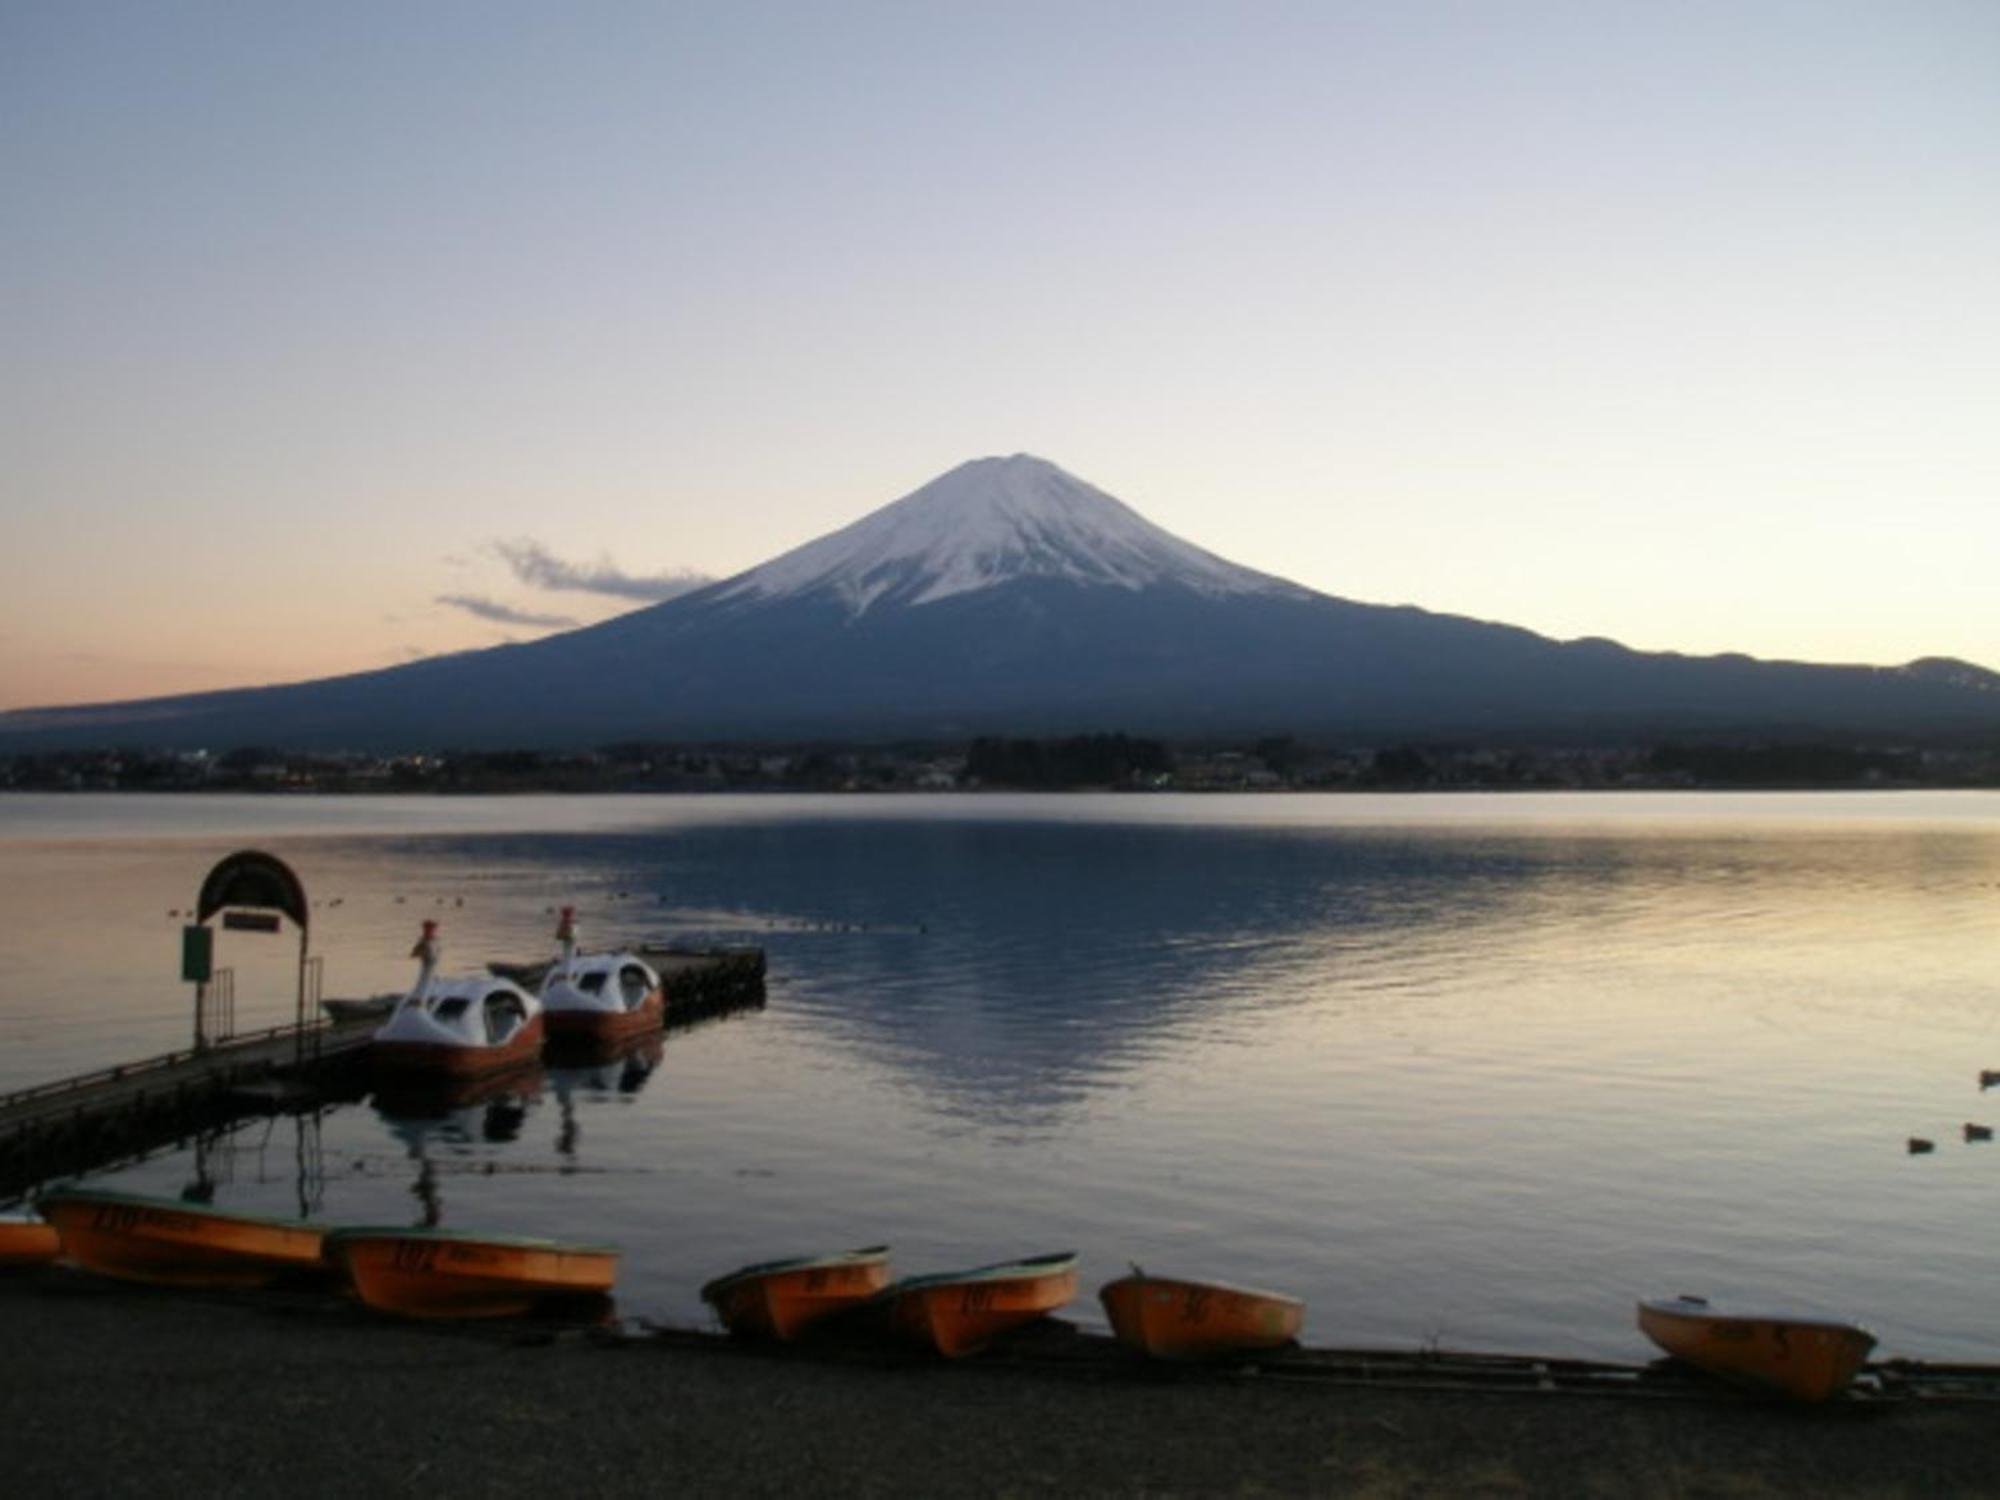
(1010, 597)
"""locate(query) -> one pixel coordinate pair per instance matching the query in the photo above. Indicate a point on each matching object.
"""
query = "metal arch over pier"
(252, 891)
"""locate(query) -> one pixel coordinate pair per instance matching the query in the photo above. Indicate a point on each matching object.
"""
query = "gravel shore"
(113, 1390)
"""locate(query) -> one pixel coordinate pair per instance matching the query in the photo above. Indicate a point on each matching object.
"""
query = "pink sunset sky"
(338, 335)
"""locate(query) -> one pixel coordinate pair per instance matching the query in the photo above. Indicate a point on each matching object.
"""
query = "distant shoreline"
(418, 794)
(1080, 763)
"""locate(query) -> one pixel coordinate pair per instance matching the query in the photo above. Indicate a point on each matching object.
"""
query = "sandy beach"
(115, 1390)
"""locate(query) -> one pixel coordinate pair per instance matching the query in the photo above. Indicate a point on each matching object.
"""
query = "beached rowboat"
(1174, 1319)
(180, 1244)
(961, 1312)
(26, 1241)
(443, 1273)
(778, 1299)
(1808, 1359)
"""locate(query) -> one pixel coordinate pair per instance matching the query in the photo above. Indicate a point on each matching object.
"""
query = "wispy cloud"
(535, 565)
(140, 663)
(503, 614)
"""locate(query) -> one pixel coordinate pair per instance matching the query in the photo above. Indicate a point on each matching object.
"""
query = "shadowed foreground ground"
(113, 1391)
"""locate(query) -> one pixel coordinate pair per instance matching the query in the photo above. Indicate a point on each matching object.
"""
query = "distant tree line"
(1785, 765)
(1082, 760)
(1118, 760)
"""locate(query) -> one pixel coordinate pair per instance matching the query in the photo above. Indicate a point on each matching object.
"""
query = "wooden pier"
(80, 1124)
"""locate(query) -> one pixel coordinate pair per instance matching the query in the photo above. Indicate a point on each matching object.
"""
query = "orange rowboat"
(777, 1299)
(1171, 1319)
(442, 1273)
(27, 1242)
(167, 1241)
(961, 1312)
(1808, 1359)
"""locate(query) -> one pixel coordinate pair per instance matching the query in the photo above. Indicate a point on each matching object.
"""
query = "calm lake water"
(1477, 1070)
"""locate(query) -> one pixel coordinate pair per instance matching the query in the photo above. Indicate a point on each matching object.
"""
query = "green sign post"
(197, 954)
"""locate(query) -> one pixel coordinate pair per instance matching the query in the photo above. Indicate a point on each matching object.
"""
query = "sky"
(332, 336)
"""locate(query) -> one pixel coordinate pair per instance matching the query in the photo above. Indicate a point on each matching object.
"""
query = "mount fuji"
(1008, 596)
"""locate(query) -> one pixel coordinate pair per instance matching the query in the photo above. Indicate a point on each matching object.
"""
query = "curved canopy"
(254, 880)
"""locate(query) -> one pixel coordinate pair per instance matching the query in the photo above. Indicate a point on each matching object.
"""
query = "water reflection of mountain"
(1010, 968)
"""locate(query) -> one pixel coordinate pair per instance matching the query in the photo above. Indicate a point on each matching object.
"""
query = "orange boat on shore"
(961, 1312)
(167, 1241)
(1807, 1359)
(778, 1299)
(1173, 1319)
(444, 1273)
(26, 1241)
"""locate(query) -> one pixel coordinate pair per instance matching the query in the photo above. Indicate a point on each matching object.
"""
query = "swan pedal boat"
(1807, 1359)
(445, 1273)
(1168, 1318)
(779, 1299)
(453, 1028)
(961, 1312)
(27, 1241)
(602, 998)
(172, 1243)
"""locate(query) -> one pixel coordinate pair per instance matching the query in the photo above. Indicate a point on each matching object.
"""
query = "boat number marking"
(1782, 1335)
(118, 1218)
(1196, 1308)
(977, 1299)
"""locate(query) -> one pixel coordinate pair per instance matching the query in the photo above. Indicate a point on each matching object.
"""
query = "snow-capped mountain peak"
(988, 522)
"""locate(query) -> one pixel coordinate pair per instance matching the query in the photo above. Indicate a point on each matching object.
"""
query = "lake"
(1471, 1070)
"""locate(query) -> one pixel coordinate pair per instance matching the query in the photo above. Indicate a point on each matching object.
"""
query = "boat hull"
(28, 1242)
(782, 1299)
(411, 1060)
(378, 1007)
(431, 1096)
(961, 1313)
(1172, 1319)
(432, 1274)
(606, 1027)
(1805, 1359)
(178, 1244)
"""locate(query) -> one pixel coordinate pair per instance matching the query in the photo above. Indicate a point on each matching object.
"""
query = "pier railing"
(134, 1072)
(76, 1124)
